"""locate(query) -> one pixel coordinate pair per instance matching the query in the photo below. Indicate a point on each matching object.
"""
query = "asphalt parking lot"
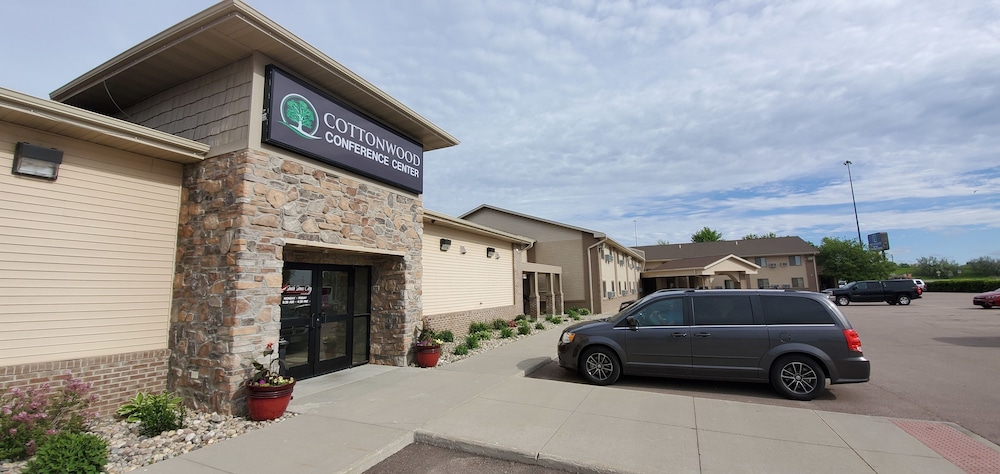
(937, 359)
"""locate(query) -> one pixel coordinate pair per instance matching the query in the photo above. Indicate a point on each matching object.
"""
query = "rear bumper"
(856, 370)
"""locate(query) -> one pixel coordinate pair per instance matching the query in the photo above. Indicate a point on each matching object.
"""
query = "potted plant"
(427, 348)
(268, 392)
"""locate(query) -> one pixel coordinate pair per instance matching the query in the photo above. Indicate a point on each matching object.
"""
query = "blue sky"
(648, 120)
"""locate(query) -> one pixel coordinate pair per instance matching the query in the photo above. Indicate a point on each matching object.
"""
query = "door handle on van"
(680, 334)
(702, 334)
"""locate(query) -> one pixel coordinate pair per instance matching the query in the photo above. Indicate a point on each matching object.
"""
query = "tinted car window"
(722, 310)
(665, 312)
(792, 310)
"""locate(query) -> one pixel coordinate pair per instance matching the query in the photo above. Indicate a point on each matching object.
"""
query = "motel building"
(218, 187)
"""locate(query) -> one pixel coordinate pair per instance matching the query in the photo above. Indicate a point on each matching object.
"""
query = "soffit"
(60, 119)
(219, 36)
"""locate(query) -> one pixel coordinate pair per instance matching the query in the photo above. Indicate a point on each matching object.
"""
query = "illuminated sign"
(301, 119)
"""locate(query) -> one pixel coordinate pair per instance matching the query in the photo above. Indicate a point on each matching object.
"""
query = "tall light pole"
(856, 223)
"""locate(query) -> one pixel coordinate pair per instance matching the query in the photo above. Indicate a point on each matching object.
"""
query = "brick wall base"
(113, 378)
(458, 322)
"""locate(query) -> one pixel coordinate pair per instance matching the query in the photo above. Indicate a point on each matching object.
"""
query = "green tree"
(706, 235)
(769, 235)
(661, 242)
(847, 259)
(984, 266)
(933, 267)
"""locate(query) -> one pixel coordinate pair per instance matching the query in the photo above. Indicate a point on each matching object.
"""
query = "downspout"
(590, 272)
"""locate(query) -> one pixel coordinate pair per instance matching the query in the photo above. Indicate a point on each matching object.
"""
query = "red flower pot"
(427, 356)
(268, 403)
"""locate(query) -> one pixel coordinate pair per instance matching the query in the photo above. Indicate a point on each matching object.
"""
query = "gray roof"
(740, 248)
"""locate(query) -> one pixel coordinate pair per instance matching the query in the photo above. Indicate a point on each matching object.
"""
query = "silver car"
(795, 340)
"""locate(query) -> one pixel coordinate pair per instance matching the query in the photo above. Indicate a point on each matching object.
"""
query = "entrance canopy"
(701, 270)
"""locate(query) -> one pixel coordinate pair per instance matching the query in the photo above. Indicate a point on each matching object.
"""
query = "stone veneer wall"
(114, 378)
(237, 210)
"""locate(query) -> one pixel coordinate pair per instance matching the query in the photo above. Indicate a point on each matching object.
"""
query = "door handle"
(702, 334)
(680, 334)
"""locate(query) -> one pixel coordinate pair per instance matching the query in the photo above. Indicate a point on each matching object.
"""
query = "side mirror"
(632, 323)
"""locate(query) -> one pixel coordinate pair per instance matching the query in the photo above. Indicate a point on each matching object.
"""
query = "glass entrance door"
(325, 318)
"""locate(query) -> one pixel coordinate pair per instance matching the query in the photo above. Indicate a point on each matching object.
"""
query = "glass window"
(798, 283)
(794, 310)
(665, 312)
(722, 310)
(795, 260)
(763, 283)
(760, 261)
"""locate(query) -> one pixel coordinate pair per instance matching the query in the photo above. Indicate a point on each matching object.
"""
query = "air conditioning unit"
(611, 294)
(784, 264)
(772, 265)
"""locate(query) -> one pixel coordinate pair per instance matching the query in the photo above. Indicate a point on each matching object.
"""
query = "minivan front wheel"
(798, 377)
(600, 366)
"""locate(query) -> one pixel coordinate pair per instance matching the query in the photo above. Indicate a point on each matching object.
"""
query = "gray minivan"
(793, 339)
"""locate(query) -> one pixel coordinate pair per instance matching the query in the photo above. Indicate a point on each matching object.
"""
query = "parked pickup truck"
(890, 291)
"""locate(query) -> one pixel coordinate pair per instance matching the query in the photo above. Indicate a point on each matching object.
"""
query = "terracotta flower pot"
(427, 356)
(268, 403)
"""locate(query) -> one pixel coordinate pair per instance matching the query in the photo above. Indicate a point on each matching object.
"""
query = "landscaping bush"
(155, 413)
(484, 335)
(460, 350)
(478, 326)
(472, 341)
(572, 312)
(29, 418)
(507, 333)
(499, 324)
(70, 452)
(583, 311)
(539, 325)
(524, 329)
(446, 336)
(965, 285)
(520, 317)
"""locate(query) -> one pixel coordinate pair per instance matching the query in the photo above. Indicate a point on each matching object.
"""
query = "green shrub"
(539, 325)
(583, 311)
(70, 452)
(572, 312)
(29, 418)
(446, 336)
(155, 413)
(965, 285)
(499, 324)
(507, 333)
(484, 335)
(478, 326)
(524, 329)
(460, 349)
(472, 341)
(556, 320)
(520, 317)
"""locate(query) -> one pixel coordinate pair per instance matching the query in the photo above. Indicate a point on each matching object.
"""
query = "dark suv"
(793, 339)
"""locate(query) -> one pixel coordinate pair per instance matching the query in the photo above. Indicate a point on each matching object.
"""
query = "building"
(220, 186)
(782, 262)
(598, 273)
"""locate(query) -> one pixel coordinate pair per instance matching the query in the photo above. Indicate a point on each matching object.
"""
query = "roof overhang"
(444, 220)
(702, 266)
(60, 119)
(218, 36)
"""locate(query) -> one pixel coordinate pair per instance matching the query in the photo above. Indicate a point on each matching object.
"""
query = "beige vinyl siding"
(86, 262)
(570, 256)
(454, 282)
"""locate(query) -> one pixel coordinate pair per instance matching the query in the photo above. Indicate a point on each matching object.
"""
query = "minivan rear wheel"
(798, 377)
(600, 366)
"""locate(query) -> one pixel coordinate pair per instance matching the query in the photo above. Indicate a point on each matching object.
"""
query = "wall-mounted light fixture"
(462, 249)
(445, 244)
(490, 252)
(36, 161)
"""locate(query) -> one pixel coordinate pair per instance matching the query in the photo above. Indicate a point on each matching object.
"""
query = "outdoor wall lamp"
(490, 252)
(40, 162)
(445, 244)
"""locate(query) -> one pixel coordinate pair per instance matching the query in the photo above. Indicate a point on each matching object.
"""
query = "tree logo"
(298, 114)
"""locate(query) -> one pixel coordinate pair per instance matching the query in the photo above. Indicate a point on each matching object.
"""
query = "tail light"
(853, 340)
(920, 290)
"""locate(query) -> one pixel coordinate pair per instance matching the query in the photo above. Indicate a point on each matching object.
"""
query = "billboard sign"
(302, 119)
(878, 241)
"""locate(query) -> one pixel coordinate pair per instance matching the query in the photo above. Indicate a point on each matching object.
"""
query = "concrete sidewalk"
(351, 420)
